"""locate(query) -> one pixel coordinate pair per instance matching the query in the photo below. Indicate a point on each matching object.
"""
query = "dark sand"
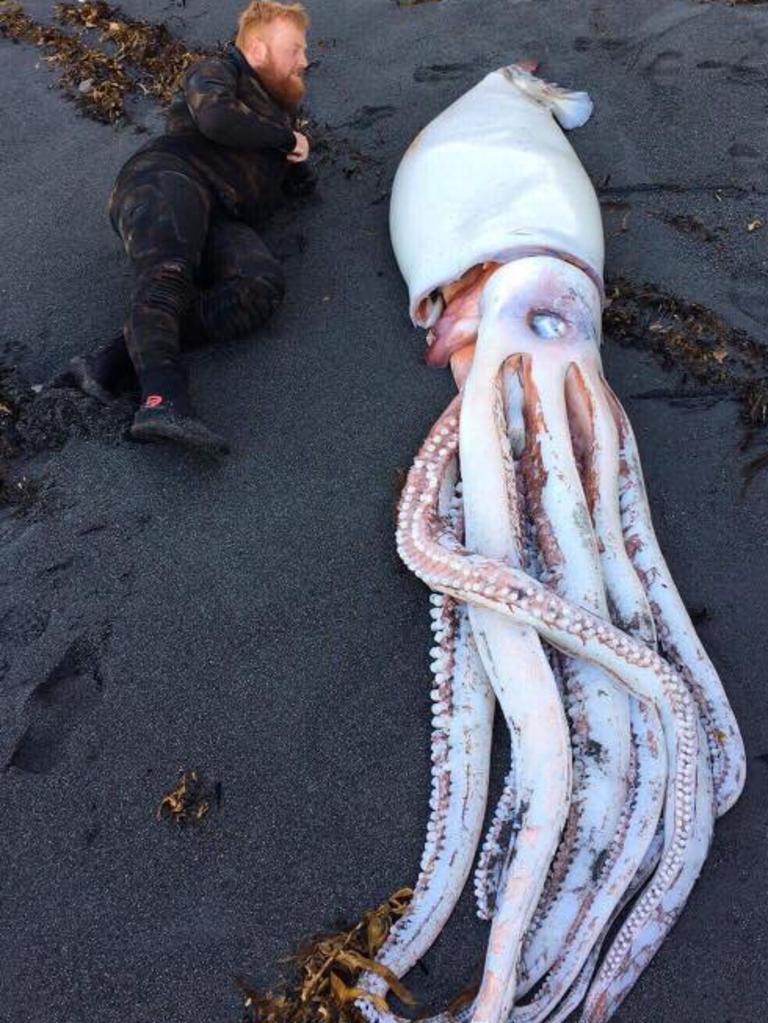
(251, 619)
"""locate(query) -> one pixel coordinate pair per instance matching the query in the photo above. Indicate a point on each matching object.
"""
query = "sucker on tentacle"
(462, 728)
(490, 864)
(676, 632)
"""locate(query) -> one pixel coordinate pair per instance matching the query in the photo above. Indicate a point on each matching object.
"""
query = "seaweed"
(189, 801)
(686, 336)
(133, 58)
(322, 980)
(725, 362)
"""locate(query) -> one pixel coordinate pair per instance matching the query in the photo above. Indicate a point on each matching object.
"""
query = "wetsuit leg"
(242, 285)
(162, 215)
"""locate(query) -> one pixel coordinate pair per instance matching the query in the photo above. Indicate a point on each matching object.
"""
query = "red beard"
(287, 90)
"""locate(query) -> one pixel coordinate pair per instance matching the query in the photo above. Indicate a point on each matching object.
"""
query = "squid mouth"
(459, 321)
(455, 308)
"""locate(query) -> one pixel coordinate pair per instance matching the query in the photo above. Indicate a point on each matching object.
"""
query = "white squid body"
(525, 512)
(492, 178)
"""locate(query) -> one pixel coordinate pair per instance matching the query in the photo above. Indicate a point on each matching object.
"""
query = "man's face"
(279, 57)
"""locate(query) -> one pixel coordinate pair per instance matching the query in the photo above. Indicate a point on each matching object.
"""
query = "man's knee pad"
(167, 287)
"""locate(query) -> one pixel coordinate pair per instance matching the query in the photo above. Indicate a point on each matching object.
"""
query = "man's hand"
(301, 152)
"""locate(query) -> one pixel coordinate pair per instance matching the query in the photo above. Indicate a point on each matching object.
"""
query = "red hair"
(264, 12)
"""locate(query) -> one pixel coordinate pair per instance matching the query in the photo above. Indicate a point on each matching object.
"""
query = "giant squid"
(525, 514)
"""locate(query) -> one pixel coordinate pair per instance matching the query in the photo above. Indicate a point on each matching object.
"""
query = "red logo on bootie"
(153, 400)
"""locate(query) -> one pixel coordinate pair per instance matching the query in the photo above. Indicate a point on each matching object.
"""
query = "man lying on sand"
(188, 207)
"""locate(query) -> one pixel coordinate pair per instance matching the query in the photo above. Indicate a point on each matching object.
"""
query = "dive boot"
(160, 418)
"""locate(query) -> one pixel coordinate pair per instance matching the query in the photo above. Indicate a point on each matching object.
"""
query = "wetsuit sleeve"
(211, 94)
(300, 179)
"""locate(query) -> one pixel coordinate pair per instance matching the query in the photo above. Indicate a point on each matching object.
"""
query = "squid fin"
(571, 109)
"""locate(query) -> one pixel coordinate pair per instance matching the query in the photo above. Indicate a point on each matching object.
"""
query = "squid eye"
(546, 324)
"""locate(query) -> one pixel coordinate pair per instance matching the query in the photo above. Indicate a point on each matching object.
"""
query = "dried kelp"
(93, 78)
(322, 986)
(132, 58)
(188, 802)
(688, 337)
(157, 59)
(722, 361)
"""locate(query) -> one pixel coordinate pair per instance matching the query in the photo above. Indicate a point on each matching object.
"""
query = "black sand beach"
(250, 619)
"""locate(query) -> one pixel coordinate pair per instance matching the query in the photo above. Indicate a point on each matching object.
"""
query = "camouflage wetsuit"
(187, 207)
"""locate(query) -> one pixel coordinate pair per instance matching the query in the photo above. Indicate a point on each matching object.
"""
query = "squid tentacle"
(676, 632)
(435, 556)
(461, 738)
(490, 864)
(656, 912)
(624, 859)
(595, 440)
(578, 990)
(526, 689)
(541, 753)
(598, 710)
(539, 809)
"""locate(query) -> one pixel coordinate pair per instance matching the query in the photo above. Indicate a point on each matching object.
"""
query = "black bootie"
(166, 413)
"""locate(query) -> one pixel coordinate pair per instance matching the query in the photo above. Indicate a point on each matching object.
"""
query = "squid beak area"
(461, 364)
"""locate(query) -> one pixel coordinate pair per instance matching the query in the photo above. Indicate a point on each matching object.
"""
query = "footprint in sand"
(743, 154)
(582, 44)
(750, 296)
(665, 68)
(748, 163)
(746, 74)
(71, 690)
(443, 72)
(21, 625)
(367, 116)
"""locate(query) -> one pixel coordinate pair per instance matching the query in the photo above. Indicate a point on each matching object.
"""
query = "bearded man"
(188, 207)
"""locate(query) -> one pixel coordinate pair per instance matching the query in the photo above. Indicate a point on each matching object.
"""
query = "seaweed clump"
(188, 802)
(691, 338)
(132, 58)
(688, 337)
(322, 986)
